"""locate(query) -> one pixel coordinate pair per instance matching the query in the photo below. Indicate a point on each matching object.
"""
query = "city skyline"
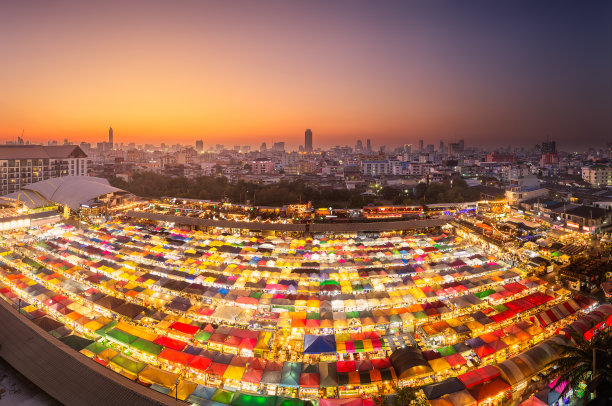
(492, 74)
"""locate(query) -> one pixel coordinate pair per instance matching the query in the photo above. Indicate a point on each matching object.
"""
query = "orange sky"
(237, 73)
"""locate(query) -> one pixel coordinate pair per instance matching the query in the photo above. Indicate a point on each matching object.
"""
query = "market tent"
(234, 372)
(47, 323)
(252, 375)
(409, 362)
(281, 401)
(462, 398)
(439, 365)
(442, 401)
(158, 376)
(147, 347)
(309, 380)
(533, 401)
(76, 342)
(436, 390)
(222, 396)
(478, 376)
(290, 374)
(328, 374)
(184, 389)
(94, 348)
(243, 399)
(315, 344)
(488, 390)
(176, 357)
(127, 363)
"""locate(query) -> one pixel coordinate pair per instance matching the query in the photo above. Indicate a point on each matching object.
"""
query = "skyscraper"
(369, 145)
(199, 145)
(549, 146)
(308, 140)
(420, 145)
(359, 146)
(110, 137)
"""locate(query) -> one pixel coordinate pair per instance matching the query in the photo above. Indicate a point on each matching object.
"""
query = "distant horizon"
(243, 72)
(295, 145)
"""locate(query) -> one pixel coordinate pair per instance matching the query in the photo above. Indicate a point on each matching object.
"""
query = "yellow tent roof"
(233, 372)
(158, 376)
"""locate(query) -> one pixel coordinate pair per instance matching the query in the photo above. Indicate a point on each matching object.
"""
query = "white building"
(524, 188)
(597, 175)
(22, 165)
(375, 168)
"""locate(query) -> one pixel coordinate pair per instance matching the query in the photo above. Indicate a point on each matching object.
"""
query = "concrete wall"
(314, 227)
(63, 373)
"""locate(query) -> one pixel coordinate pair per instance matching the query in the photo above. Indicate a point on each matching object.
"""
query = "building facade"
(21, 165)
(597, 175)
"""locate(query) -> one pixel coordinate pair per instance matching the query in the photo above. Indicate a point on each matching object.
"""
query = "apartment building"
(21, 165)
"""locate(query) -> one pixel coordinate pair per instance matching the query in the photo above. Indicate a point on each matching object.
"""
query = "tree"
(576, 363)
(404, 396)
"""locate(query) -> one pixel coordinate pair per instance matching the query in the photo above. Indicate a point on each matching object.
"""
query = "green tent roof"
(484, 294)
(96, 347)
(420, 315)
(222, 396)
(102, 331)
(128, 364)
(76, 342)
(330, 282)
(121, 337)
(500, 308)
(243, 399)
(446, 351)
(147, 346)
(202, 336)
(32, 263)
(288, 401)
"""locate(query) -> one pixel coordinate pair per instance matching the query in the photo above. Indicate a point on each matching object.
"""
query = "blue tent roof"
(315, 344)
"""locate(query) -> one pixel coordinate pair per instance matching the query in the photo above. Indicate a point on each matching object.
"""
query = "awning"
(318, 344)
(290, 374)
(436, 390)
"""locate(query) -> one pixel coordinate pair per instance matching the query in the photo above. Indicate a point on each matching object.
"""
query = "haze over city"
(492, 73)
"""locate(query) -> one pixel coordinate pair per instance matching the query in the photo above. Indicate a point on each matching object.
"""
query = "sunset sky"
(243, 72)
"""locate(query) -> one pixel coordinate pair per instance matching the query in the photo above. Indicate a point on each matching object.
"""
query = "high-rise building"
(441, 147)
(199, 145)
(263, 147)
(308, 140)
(549, 146)
(369, 145)
(359, 146)
(420, 145)
(278, 146)
(110, 137)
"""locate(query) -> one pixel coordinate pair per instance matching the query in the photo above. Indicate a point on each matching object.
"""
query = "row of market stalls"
(333, 343)
(495, 384)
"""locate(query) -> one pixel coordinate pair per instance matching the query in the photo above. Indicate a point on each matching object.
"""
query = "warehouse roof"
(71, 191)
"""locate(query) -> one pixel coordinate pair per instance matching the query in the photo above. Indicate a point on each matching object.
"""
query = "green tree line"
(216, 188)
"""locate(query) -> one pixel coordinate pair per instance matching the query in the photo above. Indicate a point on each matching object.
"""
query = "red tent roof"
(309, 380)
(176, 357)
(200, 363)
(184, 328)
(170, 343)
(252, 375)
